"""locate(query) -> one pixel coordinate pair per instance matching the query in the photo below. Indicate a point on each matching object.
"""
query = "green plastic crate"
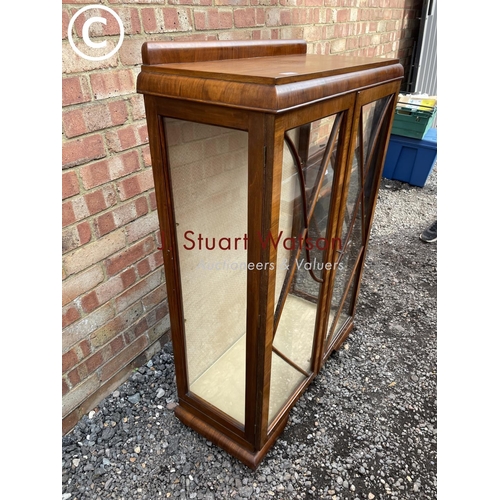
(412, 122)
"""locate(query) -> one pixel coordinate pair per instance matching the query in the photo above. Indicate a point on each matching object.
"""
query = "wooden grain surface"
(276, 70)
(159, 52)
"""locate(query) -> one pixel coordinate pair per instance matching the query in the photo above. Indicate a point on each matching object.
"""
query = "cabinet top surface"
(265, 75)
(273, 70)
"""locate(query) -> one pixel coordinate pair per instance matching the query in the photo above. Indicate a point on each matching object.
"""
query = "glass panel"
(373, 116)
(208, 169)
(357, 212)
(289, 217)
(346, 312)
(373, 113)
(352, 245)
(300, 253)
(284, 381)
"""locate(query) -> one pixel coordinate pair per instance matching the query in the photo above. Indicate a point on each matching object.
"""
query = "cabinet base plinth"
(250, 458)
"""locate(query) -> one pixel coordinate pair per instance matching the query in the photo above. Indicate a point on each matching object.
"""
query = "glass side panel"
(300, 253)
(208, 169)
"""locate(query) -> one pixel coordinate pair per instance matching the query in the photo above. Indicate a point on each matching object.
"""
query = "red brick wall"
(115, 314)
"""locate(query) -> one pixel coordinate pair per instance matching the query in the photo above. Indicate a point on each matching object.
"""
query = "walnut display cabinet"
(266, 163)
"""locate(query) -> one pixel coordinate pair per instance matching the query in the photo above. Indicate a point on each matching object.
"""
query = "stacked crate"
(412, 150)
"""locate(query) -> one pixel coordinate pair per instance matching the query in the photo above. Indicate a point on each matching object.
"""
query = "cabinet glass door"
(309, 162)
(359, 204)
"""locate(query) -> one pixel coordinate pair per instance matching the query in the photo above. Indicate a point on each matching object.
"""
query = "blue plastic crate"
(411, 160)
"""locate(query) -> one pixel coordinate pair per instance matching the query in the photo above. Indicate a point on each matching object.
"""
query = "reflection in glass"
(208, 169)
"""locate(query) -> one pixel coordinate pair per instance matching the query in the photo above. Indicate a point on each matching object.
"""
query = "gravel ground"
(364, 429)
